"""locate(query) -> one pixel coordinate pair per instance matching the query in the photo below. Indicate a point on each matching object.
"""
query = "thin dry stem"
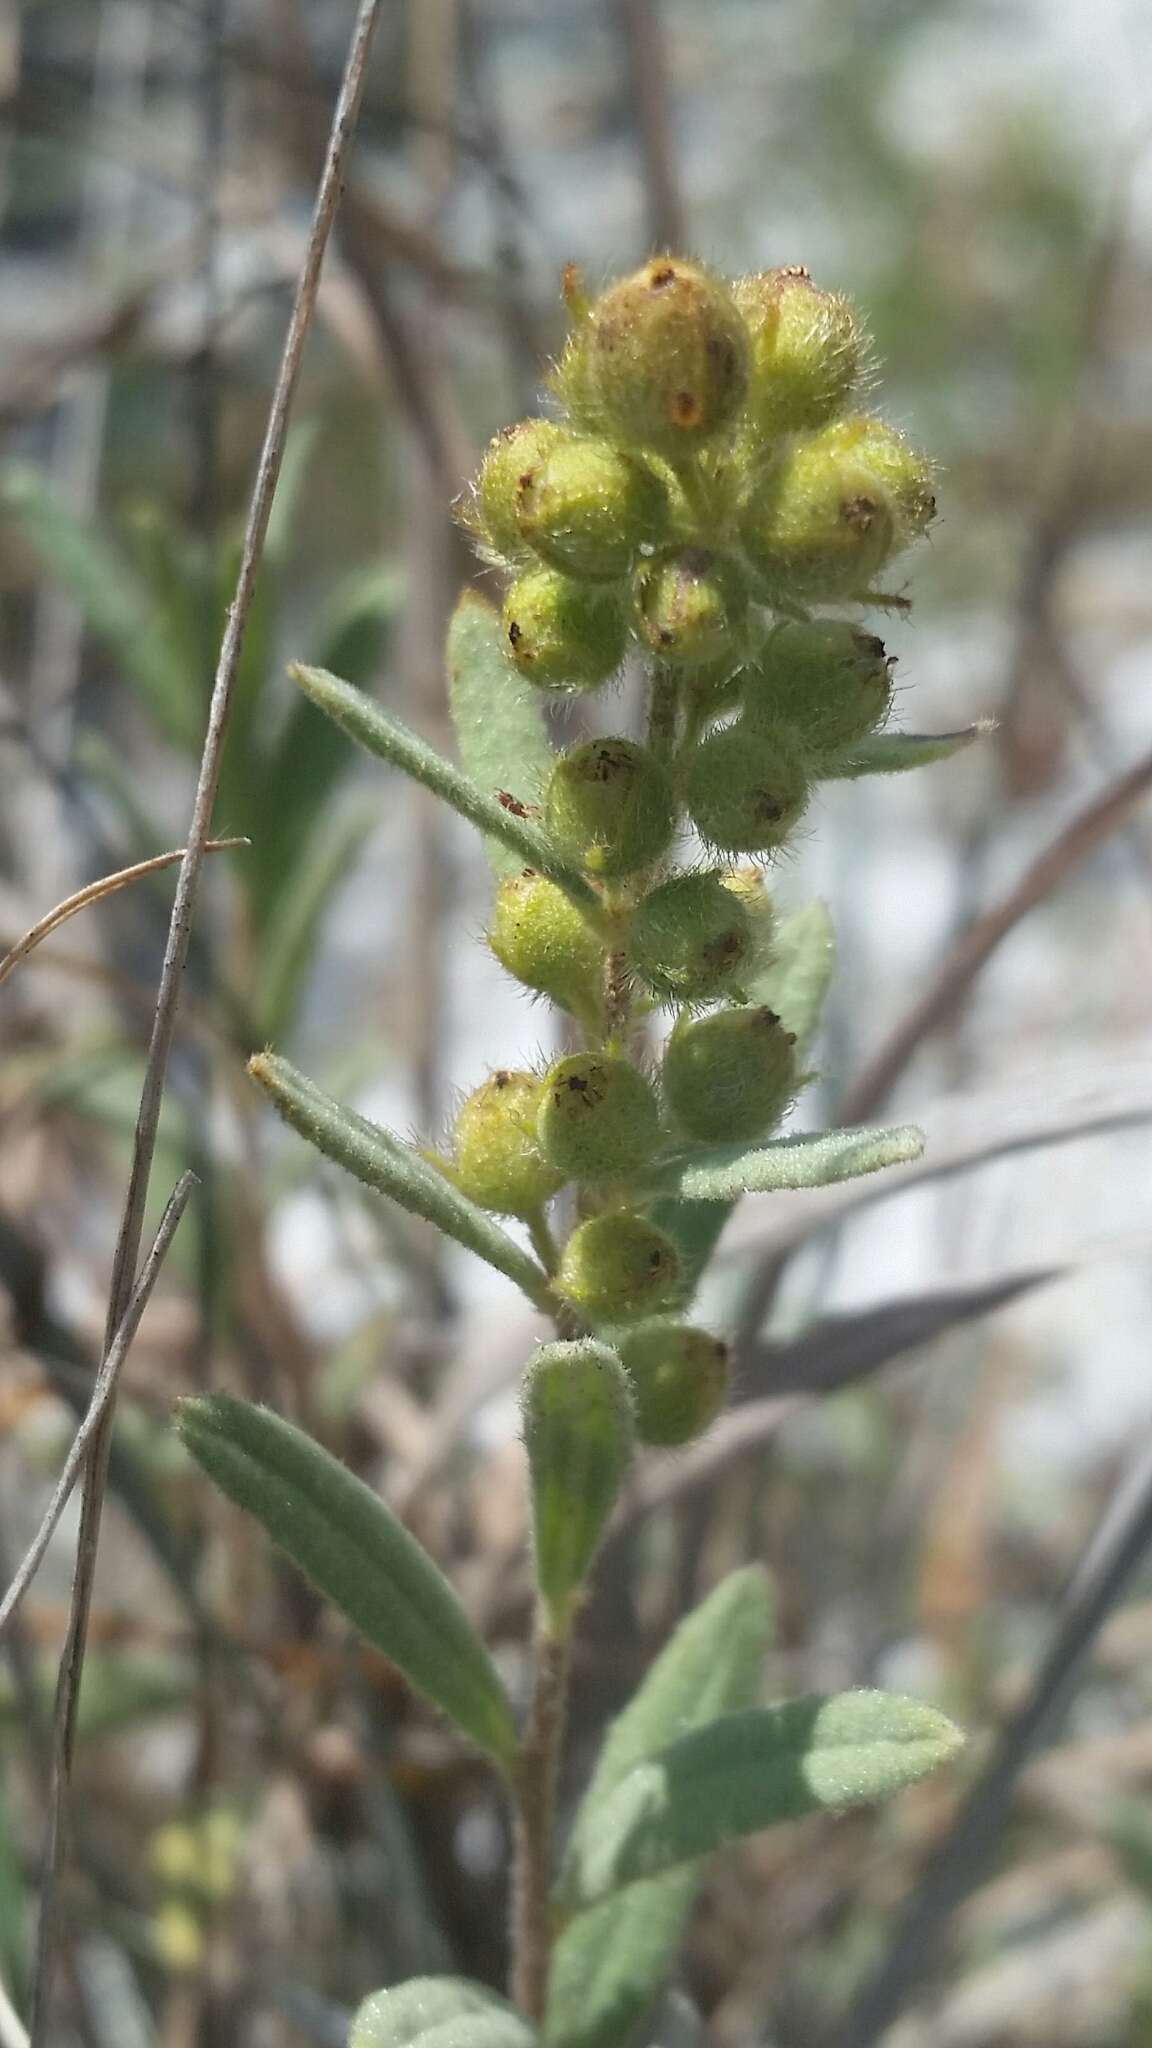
(95, 892)
(535, 1793)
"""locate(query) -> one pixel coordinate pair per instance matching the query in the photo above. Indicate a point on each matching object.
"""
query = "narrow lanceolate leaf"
(796, 983)
(497, 716)
(749, 1771)
(378, 1159)
(578, 1432)
(438, 2012)
(889, 753)
(397, 743)
(808, 1161)
(609, 1965)
(359, 1556)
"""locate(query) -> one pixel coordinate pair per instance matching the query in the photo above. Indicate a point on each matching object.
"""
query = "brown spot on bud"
(662, 277)
(685, 409)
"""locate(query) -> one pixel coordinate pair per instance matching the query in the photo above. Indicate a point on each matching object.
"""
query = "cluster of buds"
(711, 481)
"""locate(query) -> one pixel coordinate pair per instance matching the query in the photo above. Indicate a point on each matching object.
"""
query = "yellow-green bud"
(690, 606)
(828, 682)
(618, 1266)
(579, 1429)
(542, 940)
(747, 787)
(691, 938)
(608, 805)
(599, 1118)
(730, 1074)
(587, 507)
(562, 634)
(510, 459)
(498, 1161)
(823, 520)
(894, 465)
(679, 1380)
(807, 351)
(660, 360)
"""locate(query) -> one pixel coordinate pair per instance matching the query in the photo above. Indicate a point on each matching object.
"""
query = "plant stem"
(543, 1242)
(535, 1790)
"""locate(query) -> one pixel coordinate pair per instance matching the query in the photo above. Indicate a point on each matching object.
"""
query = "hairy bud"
(660, 360)
(691, 938)
(690, 606)
(498, 1161)
(562, 634)
(679, 1380)
(807, 351)
(618, 1266)
(586, 507)
(826, 681)
(493, 511)
(822, 521)
(598, 1117)
(608, 805)
(542, 940)
(747, 787)
(730, 1074)
(579, 1426)
(894, 465)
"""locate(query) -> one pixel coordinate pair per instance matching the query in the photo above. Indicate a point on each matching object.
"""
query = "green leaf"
(397, 743)
(380, 1161)
(796, 983)
(749, 1771)
(438, 2012)
(890, 753)
(497, 715)
(360, 1557)
(576, 1406)
(812, 1160)
(608, 1966)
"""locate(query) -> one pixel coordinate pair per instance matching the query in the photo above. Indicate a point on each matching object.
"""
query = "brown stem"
(535, 1790)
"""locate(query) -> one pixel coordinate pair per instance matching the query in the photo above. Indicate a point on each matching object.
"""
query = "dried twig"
(95, 892)
(128, 1245)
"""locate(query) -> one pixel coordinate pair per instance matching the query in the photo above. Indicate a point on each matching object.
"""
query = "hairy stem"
(535, 1791)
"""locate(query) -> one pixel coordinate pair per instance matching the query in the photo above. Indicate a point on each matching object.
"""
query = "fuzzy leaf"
(397, 743)
(890, 753)
(795, 985)
(608, 1966)
(360, 1557)
(576, 1406)
(378, 1159)
(812, 1160)
(497, 715)
(438, 2012)
(749, 1771)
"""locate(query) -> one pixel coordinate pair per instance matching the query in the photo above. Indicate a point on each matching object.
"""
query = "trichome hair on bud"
(563, 634)
(808, 351)
(691, 938)
(747, 787)
(618, 1266)
(599, 1119)
(729, 1075)
(608, 805)
(542, 940)
(497, 1157)
(690, 606)
(679, 1379)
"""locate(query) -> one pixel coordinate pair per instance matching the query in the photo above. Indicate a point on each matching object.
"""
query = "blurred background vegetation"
(267, 1827)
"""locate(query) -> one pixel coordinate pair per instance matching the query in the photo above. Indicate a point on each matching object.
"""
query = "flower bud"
(608, 805)
(829, 683)
(807, 351)
(562, 634)
(542, 940)
(690, 606)
(598, 1117)
(516, 454)
(746, 787)
(894, 465)
(823, 520)
(498, 1161)
(618, 1266)
(730, 1074)
(660, 361)
(679, 1380)
(691, 938)
(587, 507)
(579, 1428)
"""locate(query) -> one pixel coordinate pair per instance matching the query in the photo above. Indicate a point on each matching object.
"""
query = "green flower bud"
(895, 466)
(498, 1160)
(679, 1380)
(747, 787)
(823, 520)
(587, 507)
(492, 511)
(618, 1266)
(598, 1118)
(690, 606)
(691, 938)
(807, 351)
(562, 634)
(730, 1074)
(828, 682)
(542, 940)
(609, 806)
(660, 361)
(579, 1427)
